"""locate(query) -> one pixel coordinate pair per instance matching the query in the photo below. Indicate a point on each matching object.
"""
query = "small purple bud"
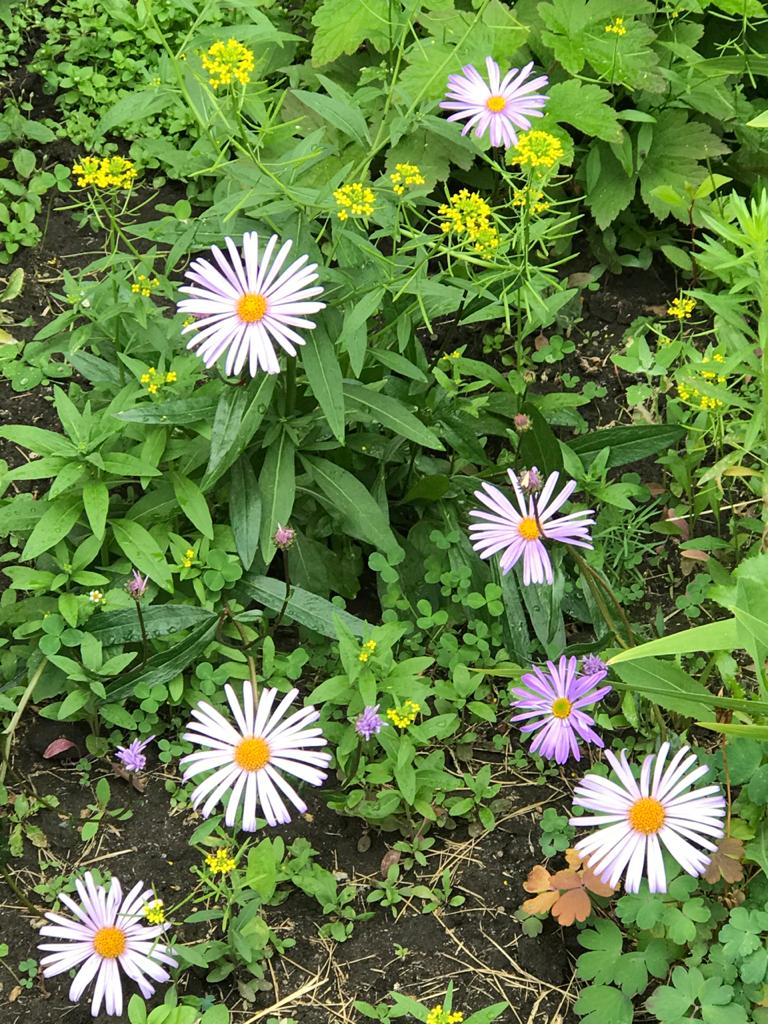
(591, 664)
(132, 756)
(137, 585)
(531, 481)
(284, 537)
(369, 722)
(522, 422)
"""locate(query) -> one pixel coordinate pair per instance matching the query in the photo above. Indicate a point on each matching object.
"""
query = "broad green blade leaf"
(715, 636)
(96, 502)
(544, 610)
(390, 413)
(142, 550)
(147, 101)
(58, 519)
(309, 610)
(663, 683)
(277, 486)
(260, 395)
(340, 113)
(42, 442)
(176, 412)
(122, 627)
(166, 665)
(538, 446)
(627, 444)
(324, 375)
(353, 503)
(226, 425)
(245, 510)
(192, 503)
(755, 732)
(751, 610)
(517, 639)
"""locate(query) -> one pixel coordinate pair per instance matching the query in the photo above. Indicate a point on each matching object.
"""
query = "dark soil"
(480, 945)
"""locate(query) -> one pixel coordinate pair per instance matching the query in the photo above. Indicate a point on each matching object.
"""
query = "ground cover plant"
(383, 511)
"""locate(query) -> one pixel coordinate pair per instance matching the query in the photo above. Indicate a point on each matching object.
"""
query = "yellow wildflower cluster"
(110, 172)
(405, 176)
(718, 357)
(95, 597)
(706, 403)
(155, 912)
(456, 354)
(405, 715)
(681, 309)
(467, 213)
(220, 863)
(355, 198)
(538, 149)
(437, 1015)
(530, 198)
(153, 381)
(188, 559)
(368, 648)
(616, 27)
(228, 61)
(144, 285)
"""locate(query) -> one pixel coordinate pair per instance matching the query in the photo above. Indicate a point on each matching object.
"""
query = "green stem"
(599, 587)
(10, 729)
(144, 637)
(8, 879)
(287, 574)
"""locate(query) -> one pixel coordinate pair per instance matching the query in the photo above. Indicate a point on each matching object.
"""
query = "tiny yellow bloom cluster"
(530, 198)
(405, 715)
(143, 285)
(110, 172)
(225, 62)
(405, 176)
(155, 912)
(718, 357)
(681, 309)
(220, 863)
(437, 1015)
(616, 27)
(706, 403)
(355, 198)
(368, 648)
(95, 597)
(467, 213)
(188, 559)
(456, 354)
(153, 381)
(538, 149)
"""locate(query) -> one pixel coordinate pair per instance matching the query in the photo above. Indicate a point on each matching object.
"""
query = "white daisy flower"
(108, 934)
(247, 761)
(637, 815)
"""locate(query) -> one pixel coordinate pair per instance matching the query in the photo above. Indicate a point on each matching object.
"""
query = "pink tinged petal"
(237, 265)
(99, 988)
(657, 879)
(300, 770)
(57, 963)
(264, 710)
(279, 712)
(289, 791)
(251, 256)
(227, 271)
(234, 705)
(268, 274)
(265, 790)
(493, 74)
(250, 801)
(234, 800)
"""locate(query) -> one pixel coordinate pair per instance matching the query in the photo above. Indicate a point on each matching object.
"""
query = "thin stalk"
(287, 575)
(248, 656)
(596, 583)
(10, 729)
(8, 879)
(144, 637)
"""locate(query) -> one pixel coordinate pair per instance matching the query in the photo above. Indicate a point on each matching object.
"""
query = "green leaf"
(245, 510)
(538, 446)
(339, 112)
(277, 486)
(756, 849)
(324, 376)
(42, 442)
(667, 685)
(192, 503)
(341, 26)
(122, 627)
(600, 1004)
(309, 610)
(627, 444)
(362, 517)
(142, 550)
(390, 413)
(163, 667)
(73, 703)
(715, 636)
(586, 107)
(226, 425)
(175, 412)
(354, 332)
(260, 394)
(57, 520)
(751, 610)
(96, 503)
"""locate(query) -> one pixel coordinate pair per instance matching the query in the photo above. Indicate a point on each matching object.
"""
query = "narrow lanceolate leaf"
(96, 502)
(142, 550)
(353, 504)
(192, 503)
(627, 444)
(122, 627)
(339, 112)
(390, 413)
(715, 636)
(226, 425)
(667, 685)
(277, 486)
(259, 394)
(307, 609)
(56, 522)
(324, 375)
(166, 665)
(245, 510)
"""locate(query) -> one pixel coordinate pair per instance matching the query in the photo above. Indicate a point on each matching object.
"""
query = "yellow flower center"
(561, 708)
(251, 308)
(109, 943)
(495, 104)
(252, 754)
(647, 815)
(528, 528)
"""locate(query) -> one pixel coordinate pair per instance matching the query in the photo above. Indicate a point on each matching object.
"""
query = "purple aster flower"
(284, 537)
(244, 305)
(106, 933)
(132, 756)
(553, 703)
(369, 722)
(501, 106)
(591, 664)
(531, 481)
(137, 585)
(519, 532)
(634, 816)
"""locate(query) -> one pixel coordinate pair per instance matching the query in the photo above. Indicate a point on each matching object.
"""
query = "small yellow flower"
(537, 149)
(405, 715)
(153, 388)
(616, 27)
(681, 309)
(363, 656)
(405, 176)
(227, 62)
(437, 1015)
(468, 214)
(531, 199)
(154, 912)
(355, 198)
(95, 597)
(170, 377)
(220, 863)
(109, 172)
(188, 558)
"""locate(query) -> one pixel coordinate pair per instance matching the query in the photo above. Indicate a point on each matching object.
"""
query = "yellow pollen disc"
(646, 815)
(109, 942)
(251, 308)
(561, 708)
(528, 528)
(495, 104)
(252, 754)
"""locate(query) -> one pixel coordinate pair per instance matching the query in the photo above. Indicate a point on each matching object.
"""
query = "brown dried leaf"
(538, 879)
(14, 994)
(390, 858)
(593, 883)
(572, 859)
(726, 862)
(566, 880)
(572, 906)
(540, 341)
(542, 903)
(58, 747)
(695, 554)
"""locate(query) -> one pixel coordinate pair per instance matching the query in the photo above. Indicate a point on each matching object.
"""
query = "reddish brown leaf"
(566, 880)
(593, 883)
(572, 859)
(572, 906)
(538, 879)
(390, 857)
(58, 747)
(542, 903)
(726, 862)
